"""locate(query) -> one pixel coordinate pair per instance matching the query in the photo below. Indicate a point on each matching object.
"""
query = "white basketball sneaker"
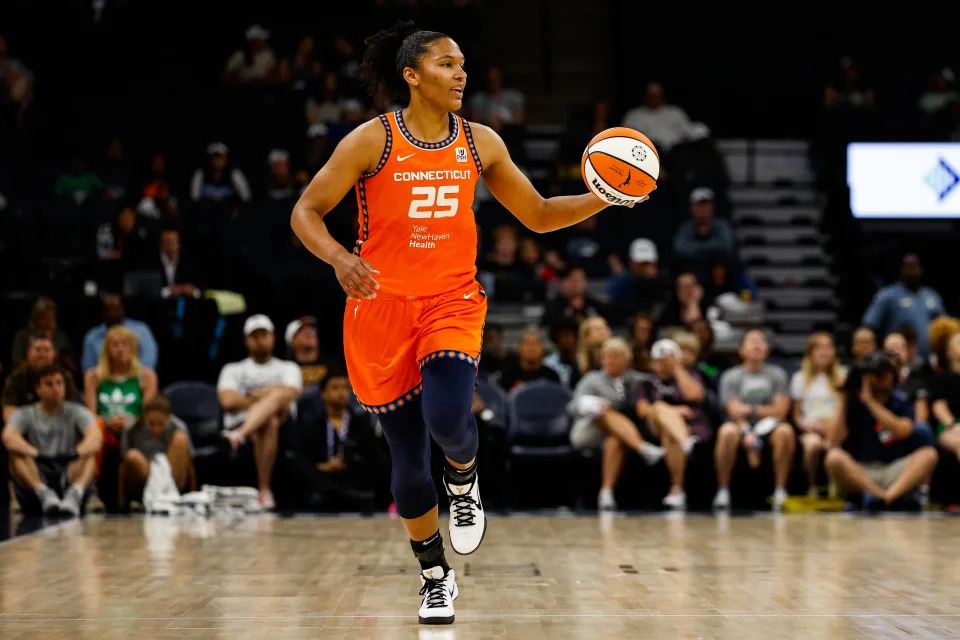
(468, 523)
(438, 591)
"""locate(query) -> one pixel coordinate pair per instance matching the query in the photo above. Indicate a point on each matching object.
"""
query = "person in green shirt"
(78, 183)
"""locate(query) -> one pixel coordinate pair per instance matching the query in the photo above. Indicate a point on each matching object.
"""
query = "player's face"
(442, 77)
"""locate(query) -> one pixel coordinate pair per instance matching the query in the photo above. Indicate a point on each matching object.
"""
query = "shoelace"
(436, 593)
(464, 513)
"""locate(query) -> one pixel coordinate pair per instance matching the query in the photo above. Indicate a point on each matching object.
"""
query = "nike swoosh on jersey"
(467, 296)
(402, 158)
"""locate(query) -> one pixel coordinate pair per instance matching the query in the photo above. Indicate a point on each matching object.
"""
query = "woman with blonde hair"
(816, 400)
(594, 331)
(115, 391)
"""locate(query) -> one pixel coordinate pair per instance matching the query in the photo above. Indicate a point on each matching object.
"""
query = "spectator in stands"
(864, 341)
(19, 389)
(253, 64)
(601, 403)
(122, 242)
(43, 321)
(304, 70)
(910, 379)
(573, 301)
(527, 365)
(642, 333)
(53, 446)
(316, 153)
(729, 277)
(497, 106)
(328, 108)
(751, 392)
(905, 302)
(703, 240)
(665, 124)
(945, 399)
(589, 245)
(687, 304)
(157, 431)
(218, 181)
(940, 332)
(279, 181)
(941, 92)
(501, 263)
(815, 390)
(114, 313)
(16, 80)
(79, 184)
(337, 457)
(179, 275)
(532, 265)
(563, 359)
(593, 333)
(879, 455)
(641, 282)
(493, 353)
(115, 172)
(157, 201)
(303, 347)
(258, 394)
(671, 403)
(709, 364)
(849, 93)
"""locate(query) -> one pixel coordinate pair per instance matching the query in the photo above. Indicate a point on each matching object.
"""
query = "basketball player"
(413, 324)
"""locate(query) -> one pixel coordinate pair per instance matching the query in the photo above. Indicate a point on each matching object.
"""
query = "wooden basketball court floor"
(668, 576)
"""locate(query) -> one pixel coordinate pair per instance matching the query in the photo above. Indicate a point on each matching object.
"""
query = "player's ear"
(412, 76)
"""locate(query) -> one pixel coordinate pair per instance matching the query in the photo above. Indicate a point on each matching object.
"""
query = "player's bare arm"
(357, 153)
(515, 192)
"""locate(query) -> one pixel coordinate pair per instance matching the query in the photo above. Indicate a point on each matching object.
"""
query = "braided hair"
(388, 52)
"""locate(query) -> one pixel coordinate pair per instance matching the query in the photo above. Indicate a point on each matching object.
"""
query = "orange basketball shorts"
(388, 339)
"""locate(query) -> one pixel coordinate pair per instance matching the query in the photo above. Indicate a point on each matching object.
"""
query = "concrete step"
(779, 216)
(779, 276)
(785, 255)
(756, 234)
(797, 298)
(753, 196)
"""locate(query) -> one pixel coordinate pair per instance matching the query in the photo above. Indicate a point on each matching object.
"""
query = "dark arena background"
(798, 255)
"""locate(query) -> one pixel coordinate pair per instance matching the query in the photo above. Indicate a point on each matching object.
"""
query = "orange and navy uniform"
(418, 230)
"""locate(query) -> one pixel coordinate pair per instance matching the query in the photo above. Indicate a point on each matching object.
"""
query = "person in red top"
(413, 323)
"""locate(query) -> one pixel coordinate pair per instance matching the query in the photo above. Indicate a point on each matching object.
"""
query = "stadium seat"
(495, 398)
(196, 403)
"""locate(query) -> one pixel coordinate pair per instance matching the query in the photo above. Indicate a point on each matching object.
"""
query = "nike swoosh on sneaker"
(402, 158)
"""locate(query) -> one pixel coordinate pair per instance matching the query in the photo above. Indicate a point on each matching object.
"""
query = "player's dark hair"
(388, 52)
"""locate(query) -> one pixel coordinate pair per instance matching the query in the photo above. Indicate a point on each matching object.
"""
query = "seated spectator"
(601, 403)
(253, 64)
(905, 302)
(587, 244)
(849, 93)
(532, 265)
(704, 240)
(218, 181)
(689, 349)
(643, 334)
(687, 305)
(53, 446)
(115, 172)
(43, 321)
(941, 93)
(501, 263)
(497, 106)
(726, 278)
(563, 359)
(327, 108)
(640, 283)
(709, 364)
(114, 313)
(939, 334)
(815, 391)
(16, 81)
(594, 332)
(316, 153)
(279, 181)
(879, 455)
(671, 403)
(180, 275)
(303, 347)
(123, 241)
(573, 301)
(304, 70)
(79, 184)
(749, 393)
(493, 352)
(527, 365)
(864, 341)
(258, 394)
(157, 431)
(945, 399)
(911, 381)
(665, 124)
(337, 457)
(19, 389)
(157, 201)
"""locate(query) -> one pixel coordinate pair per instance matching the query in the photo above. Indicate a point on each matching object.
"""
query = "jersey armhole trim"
(387, 148)
(473, 147)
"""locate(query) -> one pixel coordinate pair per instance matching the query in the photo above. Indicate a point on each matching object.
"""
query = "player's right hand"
(355, 275)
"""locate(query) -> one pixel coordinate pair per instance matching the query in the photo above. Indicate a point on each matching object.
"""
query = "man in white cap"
(704, 241)
(257, 395)
(253, 64)
(641, 282)
(303, 347)
(671, 403)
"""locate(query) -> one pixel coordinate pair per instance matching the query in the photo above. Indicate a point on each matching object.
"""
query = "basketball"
(620, 165)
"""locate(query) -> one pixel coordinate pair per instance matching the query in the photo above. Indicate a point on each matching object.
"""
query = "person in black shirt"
(527, 365)
(20, 388)
(880, 454)
(573, 301)
(945, 398)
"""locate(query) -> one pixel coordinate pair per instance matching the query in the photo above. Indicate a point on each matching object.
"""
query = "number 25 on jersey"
(434, 202)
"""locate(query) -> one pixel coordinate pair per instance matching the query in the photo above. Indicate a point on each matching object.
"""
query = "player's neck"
(426, 123)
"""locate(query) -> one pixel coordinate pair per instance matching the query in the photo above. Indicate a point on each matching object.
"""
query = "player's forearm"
(309, 226)
(564, 211)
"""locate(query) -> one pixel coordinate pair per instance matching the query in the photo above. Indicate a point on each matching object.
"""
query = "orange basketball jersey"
(416, 211)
